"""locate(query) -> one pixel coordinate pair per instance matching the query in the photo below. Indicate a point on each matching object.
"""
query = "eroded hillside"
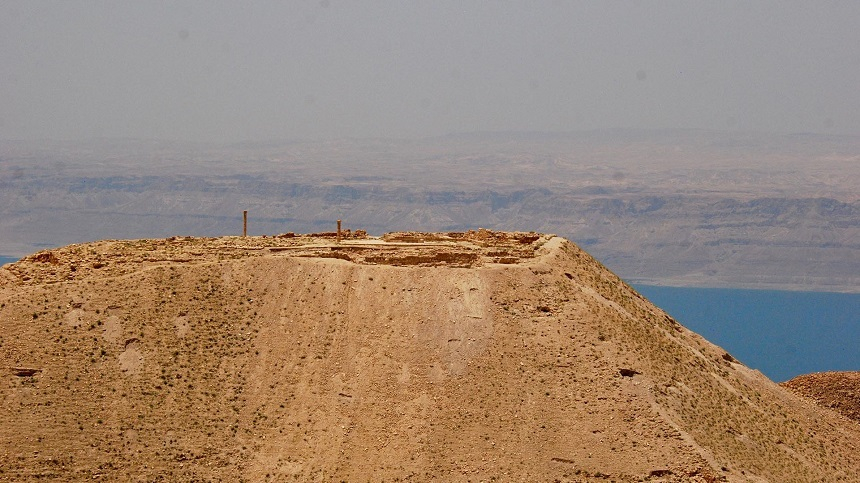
(839, 391)
(477, 356)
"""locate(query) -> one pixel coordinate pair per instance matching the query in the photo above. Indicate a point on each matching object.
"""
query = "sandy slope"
(839, 391)
(473, 357)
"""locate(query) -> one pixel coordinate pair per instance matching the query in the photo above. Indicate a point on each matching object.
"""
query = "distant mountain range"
(682, 207)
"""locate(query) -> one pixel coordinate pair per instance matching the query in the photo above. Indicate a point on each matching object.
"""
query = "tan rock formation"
(477, 356)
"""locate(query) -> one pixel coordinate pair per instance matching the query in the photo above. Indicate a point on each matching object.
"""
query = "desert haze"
(468, 356)
(511, 178)
(682, 208)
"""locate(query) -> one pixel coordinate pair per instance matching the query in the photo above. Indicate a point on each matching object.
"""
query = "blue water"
(5, 260)
(782, 334)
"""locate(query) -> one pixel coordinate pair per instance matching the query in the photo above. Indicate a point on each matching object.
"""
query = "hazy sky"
(231, 71)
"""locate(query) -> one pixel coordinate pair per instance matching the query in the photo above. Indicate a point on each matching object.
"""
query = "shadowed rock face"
(457, 357)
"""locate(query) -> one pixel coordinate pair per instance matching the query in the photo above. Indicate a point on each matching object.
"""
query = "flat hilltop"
(117, 257)
(468, 356)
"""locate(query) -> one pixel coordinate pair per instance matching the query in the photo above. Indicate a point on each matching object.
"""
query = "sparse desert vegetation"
(468, 356)
(839, 391)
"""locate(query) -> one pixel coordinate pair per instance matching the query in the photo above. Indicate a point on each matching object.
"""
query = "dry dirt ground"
(478, 356)
(836, 390)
